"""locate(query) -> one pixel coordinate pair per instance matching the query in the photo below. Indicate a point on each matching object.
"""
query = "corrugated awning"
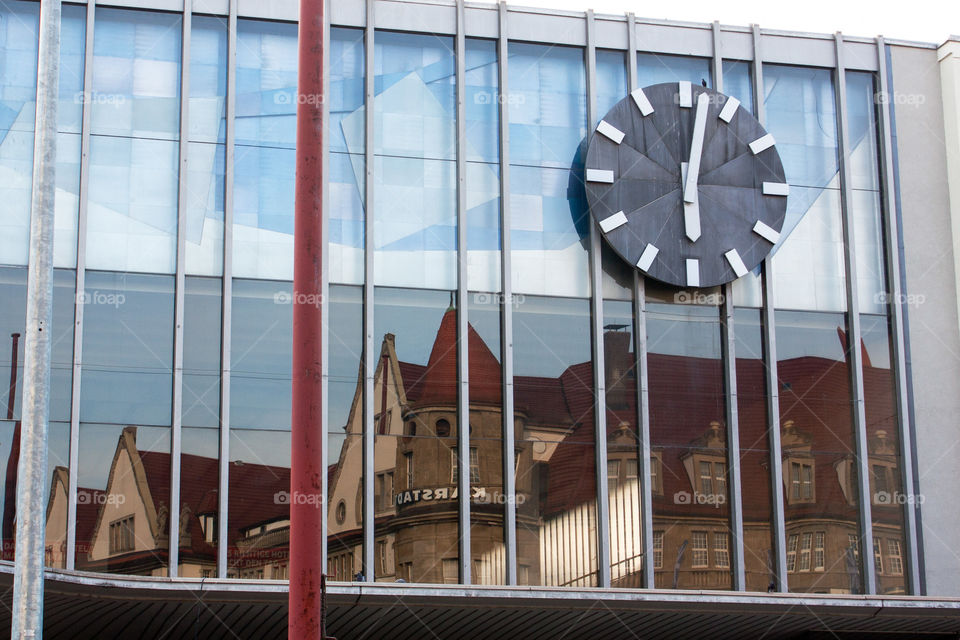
(83, 605)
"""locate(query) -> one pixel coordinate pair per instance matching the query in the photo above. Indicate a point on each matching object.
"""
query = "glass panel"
(199, 501)
(482, 83)
(415, 418)
(687, 429)
(415, 209)
(123, 499)
(623, 446)
(201, 352)
(264, 156)
(483, 172)
(738, 82)
(347, 168)
(654, 68)
(133, 151)
(889, 500)
(205, 157)
(555, 467)
(549, 222)
(754, 451)
(127, 349)
(862, 122)
(611, 80)
(808, 267)
(801, 114)
(415, 228)
(345, 444)
(259, 504)
(18, 73)
(261, 355)
(260, 394)
(818, 451)
(58, 461)
(488, 553)
(13, 313)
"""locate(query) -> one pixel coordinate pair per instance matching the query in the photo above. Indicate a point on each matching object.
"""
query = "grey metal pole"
(32, 471)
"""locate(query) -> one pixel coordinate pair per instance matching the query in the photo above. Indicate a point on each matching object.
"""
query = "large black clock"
(686, 185)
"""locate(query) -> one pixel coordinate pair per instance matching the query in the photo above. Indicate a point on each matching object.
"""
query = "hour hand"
(691, 210)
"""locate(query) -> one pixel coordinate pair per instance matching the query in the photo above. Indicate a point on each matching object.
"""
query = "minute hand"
(696, 149)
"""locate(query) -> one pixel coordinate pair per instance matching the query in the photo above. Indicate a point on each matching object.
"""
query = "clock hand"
(691, 210)
(696, 149)
(690, 172)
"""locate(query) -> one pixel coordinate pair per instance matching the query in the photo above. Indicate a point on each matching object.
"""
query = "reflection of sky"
(550, 334)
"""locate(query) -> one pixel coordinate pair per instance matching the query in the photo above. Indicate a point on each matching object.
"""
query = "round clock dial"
(686, 185)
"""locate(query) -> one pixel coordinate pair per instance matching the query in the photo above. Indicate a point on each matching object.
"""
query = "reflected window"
(658, 549)
(700, 557)
(721, 549)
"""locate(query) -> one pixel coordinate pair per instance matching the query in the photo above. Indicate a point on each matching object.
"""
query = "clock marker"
(610, 131)
(616, 220)
(729, 108)
(736, 263)
(776, 189)
(685, 94)
(640, 98)
(766, 232)
(762, 143)
(693, 272)
(646, 258)
(600, 175)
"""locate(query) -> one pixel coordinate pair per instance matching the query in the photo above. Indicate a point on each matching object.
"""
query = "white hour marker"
(766, 232)
(646, 258)
(729, 108)
(613, 222)
(640, 98)
(685, 94)
(776, 189)
(762, 143)
(610, 131)
(693, 272)
(600, 175)
(736, 263)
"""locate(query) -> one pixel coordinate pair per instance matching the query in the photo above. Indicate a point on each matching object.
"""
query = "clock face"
(686, 185)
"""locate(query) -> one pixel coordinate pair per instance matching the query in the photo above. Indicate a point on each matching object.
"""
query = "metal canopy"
(84, 605)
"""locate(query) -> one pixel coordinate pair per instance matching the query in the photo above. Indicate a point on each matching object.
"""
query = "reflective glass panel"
(888, 498)
(345, 442)
(488, 500)
(265, 160)
(688, 447)
(623, 446)
(123, 499)
(199, 501)
(201, 352)
(611, 80)
(654, 68)
(127, 349)
(818, 453)
(554, 443)
(416, 425)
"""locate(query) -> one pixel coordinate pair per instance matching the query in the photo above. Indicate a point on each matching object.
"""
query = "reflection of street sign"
(676, 565)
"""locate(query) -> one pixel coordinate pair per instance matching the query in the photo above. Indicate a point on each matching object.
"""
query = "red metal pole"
(308, 466)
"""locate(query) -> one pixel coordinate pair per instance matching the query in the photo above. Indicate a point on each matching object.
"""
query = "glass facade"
(231, 428)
